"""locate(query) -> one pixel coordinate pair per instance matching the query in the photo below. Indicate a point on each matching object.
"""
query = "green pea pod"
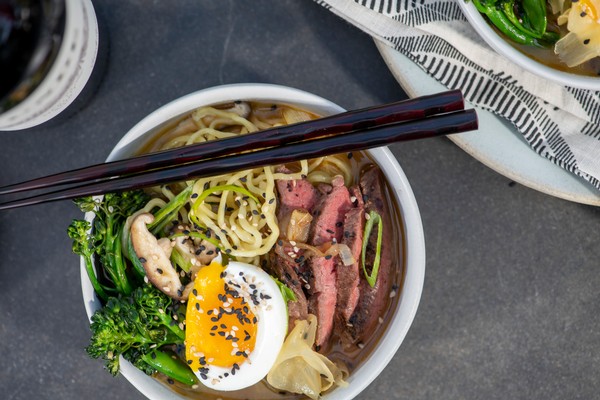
(172, 367)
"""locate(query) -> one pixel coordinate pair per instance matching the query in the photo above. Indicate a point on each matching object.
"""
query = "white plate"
(497, 144)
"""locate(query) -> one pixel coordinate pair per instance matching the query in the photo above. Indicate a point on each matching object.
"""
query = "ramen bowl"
(502, 46)
(409, 291)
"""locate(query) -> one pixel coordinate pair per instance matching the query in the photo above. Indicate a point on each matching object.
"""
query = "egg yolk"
(220, 327)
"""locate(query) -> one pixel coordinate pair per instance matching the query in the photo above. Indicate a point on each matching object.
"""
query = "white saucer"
(497, 144)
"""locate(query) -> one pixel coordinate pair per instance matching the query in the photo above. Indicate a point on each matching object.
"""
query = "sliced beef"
(293, 273)
(373, 300)
(348, 276)
(295, 194)
(322, 296)
(329, 214)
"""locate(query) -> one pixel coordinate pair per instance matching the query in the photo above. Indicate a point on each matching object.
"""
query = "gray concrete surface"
(510, 303)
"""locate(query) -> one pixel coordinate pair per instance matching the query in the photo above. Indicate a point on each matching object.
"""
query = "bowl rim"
(412, 227)
(503, 47)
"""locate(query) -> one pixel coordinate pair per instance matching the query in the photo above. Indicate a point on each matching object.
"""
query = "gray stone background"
(510, 304)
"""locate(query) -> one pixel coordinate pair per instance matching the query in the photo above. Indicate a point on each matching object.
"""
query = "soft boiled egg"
(236, 322)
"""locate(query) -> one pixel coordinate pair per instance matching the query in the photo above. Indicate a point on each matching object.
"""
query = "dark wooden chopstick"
(406, 110)
(444, 124)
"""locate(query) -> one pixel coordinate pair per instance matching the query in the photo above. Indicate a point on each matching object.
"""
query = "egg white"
(272, 318)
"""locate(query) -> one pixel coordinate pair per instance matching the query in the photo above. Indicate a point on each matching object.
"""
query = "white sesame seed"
(234, 328)
(367, 216)
(293, 243)
(352, 199)
(380, 320)
(392, 293)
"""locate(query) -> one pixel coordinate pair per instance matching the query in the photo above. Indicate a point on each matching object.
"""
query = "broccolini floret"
(136, 327)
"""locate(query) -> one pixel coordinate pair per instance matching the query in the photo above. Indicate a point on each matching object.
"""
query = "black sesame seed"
(209, 312)
(243, 179)
(226, 374)
(189, 361)
(170, 381)
(212, 334)
(586, 41)
(223, 326)
(214, 319)
(194, 195)
(203, 376)
(272, 200)
(214, 328)
(142, 260)
(228, 251)
(221, 333)
(160, 271)
(328, 257)
(197, 306)
(330, 231)
(583, 14)
(210, 252)
(153, 355)
(350, 155)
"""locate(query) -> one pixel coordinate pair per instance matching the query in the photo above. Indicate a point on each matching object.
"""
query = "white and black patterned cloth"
(560, 123)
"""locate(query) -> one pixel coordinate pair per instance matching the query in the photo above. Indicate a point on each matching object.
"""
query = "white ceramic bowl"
(500, 45)
(410, 292)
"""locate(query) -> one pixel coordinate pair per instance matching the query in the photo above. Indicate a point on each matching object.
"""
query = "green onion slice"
(374, 218)
(222, 188)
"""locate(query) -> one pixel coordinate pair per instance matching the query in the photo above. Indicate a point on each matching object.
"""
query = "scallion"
(374, 218)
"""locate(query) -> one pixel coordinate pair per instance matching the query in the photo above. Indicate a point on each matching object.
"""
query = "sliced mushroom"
(157, 265)
(166, 245)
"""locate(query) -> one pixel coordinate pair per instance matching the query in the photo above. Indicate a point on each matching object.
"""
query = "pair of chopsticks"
(423, 117)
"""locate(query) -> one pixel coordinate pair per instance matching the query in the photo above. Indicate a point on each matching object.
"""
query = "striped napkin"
(560, 123)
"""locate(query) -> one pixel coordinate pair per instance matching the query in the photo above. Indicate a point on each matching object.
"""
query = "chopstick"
(348, 121)
(358, 139)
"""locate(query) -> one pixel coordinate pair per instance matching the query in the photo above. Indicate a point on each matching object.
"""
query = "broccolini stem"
(171, 367)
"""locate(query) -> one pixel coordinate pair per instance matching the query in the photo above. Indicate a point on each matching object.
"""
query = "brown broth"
(352, 357)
